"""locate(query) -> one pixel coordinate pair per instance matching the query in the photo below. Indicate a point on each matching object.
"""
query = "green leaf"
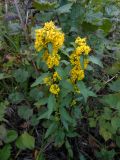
(50, 48)
(21, 75)
(115, 86)
(106, 154)
(65, 8)
(11, 136)
(3, 132)
(69, 149)
(5, 152)
(39, 80)
(41, 52)
(25, 141)
(96, 60)
(51, 105)
(51, 129)
(82, 157)
(115, 122)
(3, 76)
(43, 6)
(3, 106)
(16, 97)
(113, 100)
(118, 141)
(65, 115)
(66, 84)
(105, 134)
(85, 91)
(106, 26)
(82, 61)
(59, 137)
(25, 112)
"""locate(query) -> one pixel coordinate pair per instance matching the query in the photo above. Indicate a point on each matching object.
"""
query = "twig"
(6, 7)
(19, 15)
(21, 21)
(109, 80)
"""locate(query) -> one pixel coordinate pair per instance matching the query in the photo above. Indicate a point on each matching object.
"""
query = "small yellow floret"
(56, 76)
(47, 81)
(54, 89)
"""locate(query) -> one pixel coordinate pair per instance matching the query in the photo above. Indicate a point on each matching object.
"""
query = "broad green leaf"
(106, 26)
(51, 105)
(3, 106)
(113, 100)
(105, 134)
(5, 152)
(105, 154)
(16, 97)
(82, 157)
(43, 6)
(115, 86)
(39, 80)
(25, 112)
(65, 8)
(3, 132)
(85, 91)
(11, 136)
(115, 122)
(21, 75)
(95, 60)
(25, 141)
(51, 129)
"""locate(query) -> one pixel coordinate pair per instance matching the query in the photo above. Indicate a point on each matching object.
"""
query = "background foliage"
(23, 132)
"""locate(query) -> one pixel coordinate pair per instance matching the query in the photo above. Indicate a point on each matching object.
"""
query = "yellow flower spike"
(76, 74)
(49, 34)
(54, 89)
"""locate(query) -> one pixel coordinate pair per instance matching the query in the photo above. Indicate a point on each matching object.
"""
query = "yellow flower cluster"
(54, 89)
(49, 34)
(82, 49)
(52, 82)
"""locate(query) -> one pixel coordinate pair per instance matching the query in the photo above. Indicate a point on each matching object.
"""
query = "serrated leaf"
(21, 75)
(65, 8)
(115, 86)
(5, 152)
(43, 6)
(11, 136)
(16, 97)
(25, 141)
(25, 112)
(105, 134)
(113, 100)
(115, 122)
